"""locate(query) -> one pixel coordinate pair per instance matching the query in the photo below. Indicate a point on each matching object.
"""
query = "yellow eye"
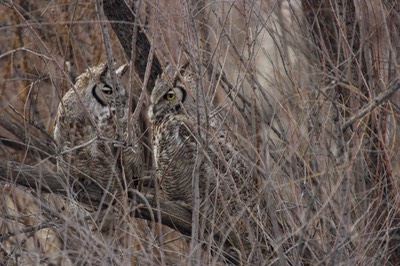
(170, 96)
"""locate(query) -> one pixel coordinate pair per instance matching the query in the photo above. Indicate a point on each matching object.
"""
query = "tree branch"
(38, 179)
(172, 214)
(392, 88)
(27, 138)
(122, 21)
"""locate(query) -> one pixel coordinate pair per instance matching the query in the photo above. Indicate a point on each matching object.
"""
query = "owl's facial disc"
(174, 99)
(170, 102)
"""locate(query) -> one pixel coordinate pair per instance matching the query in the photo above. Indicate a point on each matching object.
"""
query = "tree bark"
(122, 20)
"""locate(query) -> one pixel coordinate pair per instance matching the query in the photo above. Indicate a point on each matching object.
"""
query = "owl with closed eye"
(192, 151)
(91, 131)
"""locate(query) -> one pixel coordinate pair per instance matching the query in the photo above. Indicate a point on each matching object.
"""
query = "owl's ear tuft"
(168, 73)
(103, 70)
(172, 73)
(184, 70)
(122, 70)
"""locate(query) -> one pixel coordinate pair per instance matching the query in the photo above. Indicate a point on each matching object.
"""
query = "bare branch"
(122, 20)
(26, 230)
(392, 88)
(35, 178)
(171, 214)
(45, 148)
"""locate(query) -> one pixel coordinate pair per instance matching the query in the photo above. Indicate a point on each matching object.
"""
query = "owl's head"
(96, 86)
(171, 95)
(94, 89)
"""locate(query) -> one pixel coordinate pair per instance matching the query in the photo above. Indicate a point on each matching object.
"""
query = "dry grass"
(294, 73)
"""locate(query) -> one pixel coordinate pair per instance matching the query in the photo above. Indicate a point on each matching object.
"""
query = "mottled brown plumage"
(91, 131)
(187, 143)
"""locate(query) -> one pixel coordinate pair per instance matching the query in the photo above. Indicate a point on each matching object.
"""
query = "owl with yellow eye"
(192, 153)
(173, 146)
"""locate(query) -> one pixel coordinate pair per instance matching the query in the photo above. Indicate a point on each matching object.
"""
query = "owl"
(91, 131)
(190, 145)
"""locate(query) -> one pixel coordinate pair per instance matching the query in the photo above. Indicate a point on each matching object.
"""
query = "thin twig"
(392, 88)
(29, 229)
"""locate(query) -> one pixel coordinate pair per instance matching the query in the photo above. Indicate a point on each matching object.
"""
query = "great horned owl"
(187, 142)
(91, 131)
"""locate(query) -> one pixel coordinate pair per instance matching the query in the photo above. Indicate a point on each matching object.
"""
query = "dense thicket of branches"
(310, 90)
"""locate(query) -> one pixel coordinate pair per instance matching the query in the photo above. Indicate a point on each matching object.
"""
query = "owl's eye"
(106, 90)
(170, 95)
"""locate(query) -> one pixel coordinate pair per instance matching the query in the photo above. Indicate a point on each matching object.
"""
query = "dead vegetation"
(310, 90)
